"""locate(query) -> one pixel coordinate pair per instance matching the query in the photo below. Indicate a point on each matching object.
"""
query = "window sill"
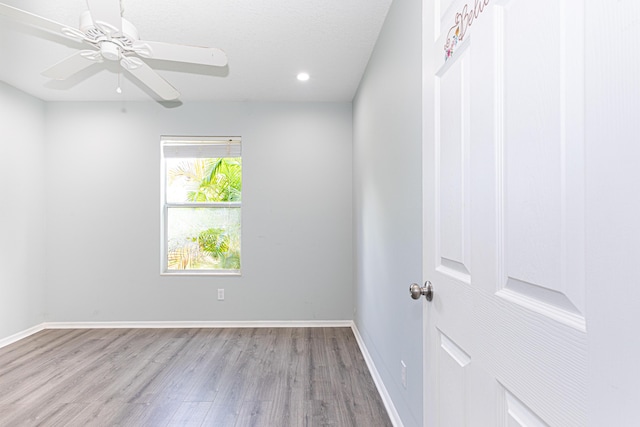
(201, 273)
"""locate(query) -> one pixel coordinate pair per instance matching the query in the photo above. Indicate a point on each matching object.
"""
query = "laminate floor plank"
(263, 377)
(258, 413)
(124, 414)
(33, 346)
(131, 382)
(46, 374)
(322, 413)
(34, 354)
(100, 379)
(168, 364)
(100, 414)
(46, 415)
(224, 354)
(94, 368)
(190, 414)
(221, 416)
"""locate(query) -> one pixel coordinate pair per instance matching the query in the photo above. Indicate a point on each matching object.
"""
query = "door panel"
(453, 374)
(518, 415)
(453, 186)
(541, 160)
(504, 222)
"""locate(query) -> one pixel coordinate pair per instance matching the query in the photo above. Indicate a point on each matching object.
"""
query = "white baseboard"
(20, 335)
(188, 324)
(202, 324)
(377, 379)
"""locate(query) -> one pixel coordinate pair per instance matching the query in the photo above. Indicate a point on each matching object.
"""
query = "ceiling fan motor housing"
(107, 37)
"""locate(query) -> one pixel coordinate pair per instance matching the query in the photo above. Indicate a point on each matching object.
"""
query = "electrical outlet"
(403, 374)
(220, 294)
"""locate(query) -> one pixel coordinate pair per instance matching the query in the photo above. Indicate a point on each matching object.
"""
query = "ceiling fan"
(113, 38)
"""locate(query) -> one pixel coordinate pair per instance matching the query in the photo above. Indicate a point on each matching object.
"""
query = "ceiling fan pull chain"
(119, 88)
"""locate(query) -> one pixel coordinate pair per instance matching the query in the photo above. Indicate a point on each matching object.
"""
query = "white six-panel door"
(505, 336)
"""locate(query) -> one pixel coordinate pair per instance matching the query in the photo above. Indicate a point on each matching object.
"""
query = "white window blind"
(195, 147)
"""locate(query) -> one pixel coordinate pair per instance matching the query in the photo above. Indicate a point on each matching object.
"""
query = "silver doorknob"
(417, 291)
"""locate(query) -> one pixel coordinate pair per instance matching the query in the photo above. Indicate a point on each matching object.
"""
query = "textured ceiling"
(267, 43)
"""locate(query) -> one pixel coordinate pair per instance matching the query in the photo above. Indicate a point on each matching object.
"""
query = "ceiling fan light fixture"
(303, 77)
(110, 51)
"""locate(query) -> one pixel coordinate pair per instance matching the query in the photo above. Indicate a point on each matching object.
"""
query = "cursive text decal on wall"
(463, 21)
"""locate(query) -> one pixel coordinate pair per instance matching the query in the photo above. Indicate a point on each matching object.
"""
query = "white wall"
(388, 206)
(103, 210)
(22, 216)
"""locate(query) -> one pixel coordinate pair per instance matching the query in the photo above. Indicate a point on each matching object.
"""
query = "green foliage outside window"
(208, 237)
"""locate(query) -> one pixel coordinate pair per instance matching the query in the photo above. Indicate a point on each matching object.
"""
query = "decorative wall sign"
(463, 21)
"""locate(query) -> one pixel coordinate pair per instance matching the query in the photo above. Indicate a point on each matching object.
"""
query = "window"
(201, 205)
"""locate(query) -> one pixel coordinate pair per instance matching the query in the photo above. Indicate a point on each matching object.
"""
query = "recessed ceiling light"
(303, 77)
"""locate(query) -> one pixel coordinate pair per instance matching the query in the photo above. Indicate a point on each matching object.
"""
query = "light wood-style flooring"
(188, 377)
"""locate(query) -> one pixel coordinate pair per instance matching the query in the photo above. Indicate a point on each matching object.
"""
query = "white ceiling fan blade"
(181, 53)
(72, 64)
(150, 78)
(106, 15)
(36, 21)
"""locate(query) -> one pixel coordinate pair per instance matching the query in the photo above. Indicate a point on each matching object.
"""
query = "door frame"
(430, 18)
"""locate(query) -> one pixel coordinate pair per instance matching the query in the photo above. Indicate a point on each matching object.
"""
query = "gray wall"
(22, 216)
(103, 211)
(388, 206)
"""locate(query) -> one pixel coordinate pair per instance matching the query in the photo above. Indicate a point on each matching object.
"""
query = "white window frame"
(193, 147)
